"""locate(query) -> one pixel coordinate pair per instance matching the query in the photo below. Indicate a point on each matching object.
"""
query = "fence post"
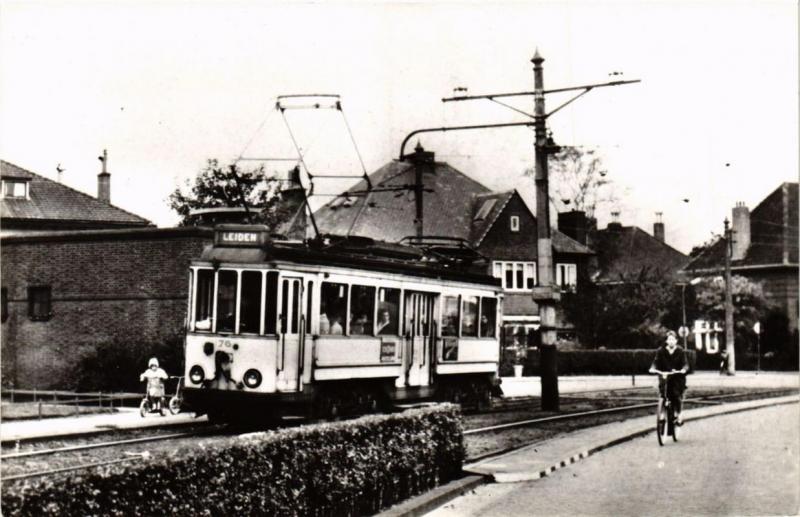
(633, 379)
(40, 410)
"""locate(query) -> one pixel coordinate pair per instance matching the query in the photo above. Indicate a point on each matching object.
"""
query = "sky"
(165, 86)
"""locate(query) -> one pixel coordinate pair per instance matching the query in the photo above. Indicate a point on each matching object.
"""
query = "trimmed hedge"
(353, 467)
(600, 362)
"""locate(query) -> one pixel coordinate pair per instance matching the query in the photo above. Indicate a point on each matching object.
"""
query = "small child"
(155, 382)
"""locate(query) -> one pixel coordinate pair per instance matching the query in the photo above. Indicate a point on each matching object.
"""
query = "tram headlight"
(196, 374)
(252, 378)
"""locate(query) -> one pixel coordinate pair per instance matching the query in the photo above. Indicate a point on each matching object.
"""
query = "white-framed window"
(513, 222)
(515, 276)
(567, 276)
(15, 189)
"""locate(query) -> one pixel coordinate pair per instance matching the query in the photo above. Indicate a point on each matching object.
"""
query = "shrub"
(355, 467)
(601, 362)
(116, 366)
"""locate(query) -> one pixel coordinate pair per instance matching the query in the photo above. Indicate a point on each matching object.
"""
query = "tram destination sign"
(240, 236)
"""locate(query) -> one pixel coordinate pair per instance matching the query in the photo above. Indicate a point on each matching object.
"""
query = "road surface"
(741, 464)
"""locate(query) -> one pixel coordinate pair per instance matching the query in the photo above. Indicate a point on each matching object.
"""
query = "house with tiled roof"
(628, 254)
(497, 225)
(764, 249)
(33, 203)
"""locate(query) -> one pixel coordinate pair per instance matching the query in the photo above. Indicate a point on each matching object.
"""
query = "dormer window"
(513, 222)
(13, 188)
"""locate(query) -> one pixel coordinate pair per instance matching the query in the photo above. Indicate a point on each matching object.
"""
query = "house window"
(567, 276)
(15, 189)
(515, 276)
(39, 303)
(4, 303)
(514, 223)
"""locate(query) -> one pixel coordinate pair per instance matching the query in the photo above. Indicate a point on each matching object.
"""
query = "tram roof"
(354, 252)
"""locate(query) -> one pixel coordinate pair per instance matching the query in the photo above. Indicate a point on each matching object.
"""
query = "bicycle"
(176, 401)
(666, 427)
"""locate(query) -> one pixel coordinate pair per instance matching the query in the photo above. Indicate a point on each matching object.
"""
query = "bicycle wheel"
(144, 407)
(674, 427)
(659, 427)
(175, 405)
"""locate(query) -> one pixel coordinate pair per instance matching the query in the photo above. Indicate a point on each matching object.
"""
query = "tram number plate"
(450, 349)
(388, 351)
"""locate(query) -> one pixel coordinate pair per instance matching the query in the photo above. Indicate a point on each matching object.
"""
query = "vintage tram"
(334, 326)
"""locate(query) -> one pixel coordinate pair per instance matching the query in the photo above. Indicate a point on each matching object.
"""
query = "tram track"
(545, 428)
(550, 425)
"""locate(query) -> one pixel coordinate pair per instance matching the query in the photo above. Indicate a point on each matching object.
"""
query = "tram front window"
(250, 311)
(362, 309)
(333, 308)
(226, 301)
(488, 316)
(204, 300)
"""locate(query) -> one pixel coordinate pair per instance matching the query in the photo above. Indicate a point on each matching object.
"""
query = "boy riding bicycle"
(670, 361)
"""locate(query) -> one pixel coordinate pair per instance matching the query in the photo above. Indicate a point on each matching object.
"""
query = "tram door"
(292, 334)
(420, 326)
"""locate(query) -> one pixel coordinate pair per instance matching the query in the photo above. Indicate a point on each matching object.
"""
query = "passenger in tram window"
(324, 324)
(486, 330)
(336, 327)
(385, 324)
(450, 325)
(359, 326)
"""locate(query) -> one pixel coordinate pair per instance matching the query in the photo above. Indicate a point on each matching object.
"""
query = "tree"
(216, 186)
(626, 314)
(578, 180)
(749, 306)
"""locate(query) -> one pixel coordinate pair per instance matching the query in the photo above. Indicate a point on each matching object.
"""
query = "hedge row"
(354, 467)
(600, 362)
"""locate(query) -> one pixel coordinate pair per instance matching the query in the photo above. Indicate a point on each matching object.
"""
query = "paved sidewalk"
(531, 386)
(126, 418)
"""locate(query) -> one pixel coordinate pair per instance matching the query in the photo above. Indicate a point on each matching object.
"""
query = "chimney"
(104, 180)
(658, 227)
(614, 224)
(574, 225)
(741, 231)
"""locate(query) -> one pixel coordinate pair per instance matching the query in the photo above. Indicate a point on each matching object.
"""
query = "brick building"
(66, 293)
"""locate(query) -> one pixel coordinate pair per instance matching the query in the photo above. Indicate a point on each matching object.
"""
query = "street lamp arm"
(458, 128)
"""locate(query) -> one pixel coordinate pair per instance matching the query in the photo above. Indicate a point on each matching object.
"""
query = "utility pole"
(730, 350)
(546, 294)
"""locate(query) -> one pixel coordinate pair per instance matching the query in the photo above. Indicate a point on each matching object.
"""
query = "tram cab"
(282, 325)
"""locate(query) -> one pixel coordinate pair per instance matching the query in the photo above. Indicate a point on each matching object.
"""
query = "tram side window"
(226, 301)
(250, 312)
(204, 300)
(488, 317)
(333, 308)
(388, 311)
(362, 310)
(271, 304)
(469, 318)
(450, 316)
